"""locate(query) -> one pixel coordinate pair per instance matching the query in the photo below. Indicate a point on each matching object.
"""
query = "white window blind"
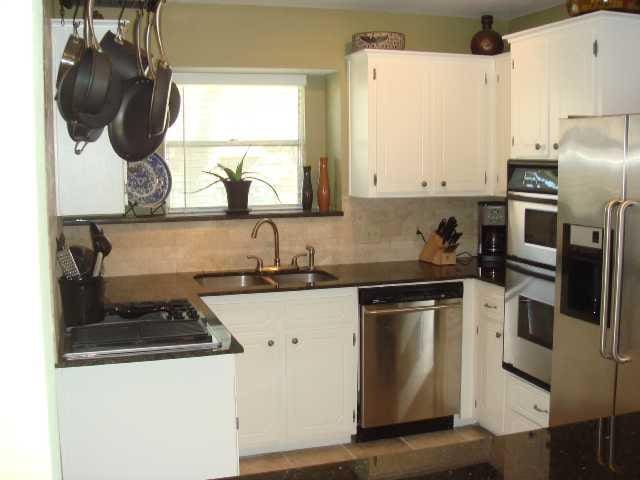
(224, 116)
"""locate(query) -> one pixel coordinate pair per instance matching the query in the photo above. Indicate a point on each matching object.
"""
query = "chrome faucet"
(276, 242)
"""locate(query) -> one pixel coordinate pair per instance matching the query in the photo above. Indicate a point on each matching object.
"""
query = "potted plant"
(237, 184)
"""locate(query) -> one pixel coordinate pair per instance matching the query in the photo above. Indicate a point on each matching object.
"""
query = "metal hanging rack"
(135, 4)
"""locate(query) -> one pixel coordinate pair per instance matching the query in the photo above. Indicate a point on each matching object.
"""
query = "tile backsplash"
(370, 231)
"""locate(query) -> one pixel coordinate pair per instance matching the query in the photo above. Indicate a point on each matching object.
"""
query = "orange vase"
(324, 194)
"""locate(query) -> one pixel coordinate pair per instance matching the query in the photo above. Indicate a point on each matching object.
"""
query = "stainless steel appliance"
(528, 326)
(532, 193)
(596, 357)
(141, 328)
(411, 341)
(492, 244)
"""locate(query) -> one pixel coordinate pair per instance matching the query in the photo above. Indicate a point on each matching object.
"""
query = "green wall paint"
(537, 19)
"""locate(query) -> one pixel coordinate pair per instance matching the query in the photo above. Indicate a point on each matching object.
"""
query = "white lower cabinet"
(297, 380)
(163, 419)
(527, 406)
(490, 385)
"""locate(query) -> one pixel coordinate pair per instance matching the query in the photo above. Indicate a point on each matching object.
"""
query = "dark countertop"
(137, 288)
(566, 452)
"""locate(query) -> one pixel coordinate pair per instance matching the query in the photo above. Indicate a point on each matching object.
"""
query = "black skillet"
(94, 71)
(82, 135)
(128, 132)
(162, 81)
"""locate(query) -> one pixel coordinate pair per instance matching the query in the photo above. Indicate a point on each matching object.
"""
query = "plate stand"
(133, 210)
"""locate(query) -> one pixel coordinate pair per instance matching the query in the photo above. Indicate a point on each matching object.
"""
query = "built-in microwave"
(532, 211)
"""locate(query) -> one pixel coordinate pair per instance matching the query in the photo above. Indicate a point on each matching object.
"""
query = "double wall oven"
(532, 199)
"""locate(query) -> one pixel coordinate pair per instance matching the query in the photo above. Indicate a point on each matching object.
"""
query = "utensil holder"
(435, 252)
(82, 301)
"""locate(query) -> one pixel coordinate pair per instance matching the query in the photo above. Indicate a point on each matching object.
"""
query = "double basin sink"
(247, 280)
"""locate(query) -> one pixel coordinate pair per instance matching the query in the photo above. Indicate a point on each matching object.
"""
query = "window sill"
(197, 217)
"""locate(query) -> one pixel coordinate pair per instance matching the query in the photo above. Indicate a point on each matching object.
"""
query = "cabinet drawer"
(491, 302)
(528, 401)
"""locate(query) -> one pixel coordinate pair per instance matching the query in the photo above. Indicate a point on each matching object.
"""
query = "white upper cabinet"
(457, 138)
(92, 183)
(580, 66)
(530, 98)
(400, 124)
(420, 124)
(502, 125)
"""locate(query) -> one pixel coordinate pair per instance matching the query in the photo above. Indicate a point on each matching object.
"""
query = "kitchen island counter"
(556, 453)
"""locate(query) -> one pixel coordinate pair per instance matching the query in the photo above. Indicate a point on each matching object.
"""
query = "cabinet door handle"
(294, 340)
(424, 184)
(498, 335)
(556, 146)
(538, 146)
(443, 183)
(538, 409)
(493, 307)
(271, 343)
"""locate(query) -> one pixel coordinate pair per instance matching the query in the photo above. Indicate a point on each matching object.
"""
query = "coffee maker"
(492, 244)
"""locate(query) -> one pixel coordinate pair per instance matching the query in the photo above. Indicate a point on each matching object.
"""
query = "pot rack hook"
(75, 23)
(120, 33)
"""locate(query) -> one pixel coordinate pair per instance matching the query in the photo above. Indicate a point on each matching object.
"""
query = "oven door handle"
(606, 276)
(617, 285)
(396, 311)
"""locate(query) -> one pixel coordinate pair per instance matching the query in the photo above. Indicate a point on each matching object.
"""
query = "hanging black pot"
(237, 196)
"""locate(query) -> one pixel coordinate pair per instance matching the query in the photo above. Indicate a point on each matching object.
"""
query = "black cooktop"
(142, 327)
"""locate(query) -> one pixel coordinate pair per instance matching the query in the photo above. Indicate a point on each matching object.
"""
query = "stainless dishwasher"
(410, 359)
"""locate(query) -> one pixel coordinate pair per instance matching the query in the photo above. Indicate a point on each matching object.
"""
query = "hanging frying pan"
(128, 132)
(163, 75)
(94, 71)
(82, 135)
(72, 51)
(123, 54)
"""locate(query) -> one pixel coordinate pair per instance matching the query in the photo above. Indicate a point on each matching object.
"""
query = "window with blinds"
(222, 118)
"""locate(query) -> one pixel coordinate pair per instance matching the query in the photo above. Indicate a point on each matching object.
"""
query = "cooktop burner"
(144, 327)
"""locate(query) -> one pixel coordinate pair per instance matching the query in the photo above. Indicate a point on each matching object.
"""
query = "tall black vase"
(307, 189)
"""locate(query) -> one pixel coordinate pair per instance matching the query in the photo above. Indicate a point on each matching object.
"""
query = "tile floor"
(317, 456)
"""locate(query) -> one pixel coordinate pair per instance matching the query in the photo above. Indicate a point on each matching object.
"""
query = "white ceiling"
(503, 9)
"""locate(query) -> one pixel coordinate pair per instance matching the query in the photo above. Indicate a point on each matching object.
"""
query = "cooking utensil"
(68, 264)
(82, 135)
(72, 51)
(123, 54)
(94, 71)
(101, 245)
(162, 75)
(67, 95)
(454, 238)
(441, 225)
(84, 258)
(128, 132)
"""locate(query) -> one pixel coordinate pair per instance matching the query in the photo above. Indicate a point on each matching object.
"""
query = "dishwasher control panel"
(410, 293)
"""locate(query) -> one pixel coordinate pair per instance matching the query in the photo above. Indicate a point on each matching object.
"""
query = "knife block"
(434, 252)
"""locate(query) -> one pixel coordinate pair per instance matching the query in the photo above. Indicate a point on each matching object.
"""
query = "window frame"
(209, 77)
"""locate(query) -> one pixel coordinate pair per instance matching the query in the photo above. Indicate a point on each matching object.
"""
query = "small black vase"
(237, 196)
(487, 41)
(307, 189)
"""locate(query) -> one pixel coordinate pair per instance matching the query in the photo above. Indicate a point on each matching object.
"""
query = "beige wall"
(200, 35)
(537, 19)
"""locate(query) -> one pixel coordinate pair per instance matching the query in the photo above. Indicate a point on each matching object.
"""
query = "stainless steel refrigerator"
(596, 347)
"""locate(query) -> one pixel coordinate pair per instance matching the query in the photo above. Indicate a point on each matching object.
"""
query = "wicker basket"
(579, 7)
(379, 40)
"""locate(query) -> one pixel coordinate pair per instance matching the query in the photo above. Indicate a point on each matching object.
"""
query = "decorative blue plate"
(148, 181)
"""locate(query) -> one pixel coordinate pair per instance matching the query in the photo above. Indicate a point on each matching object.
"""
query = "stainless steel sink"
(232, 280)
(297, 278)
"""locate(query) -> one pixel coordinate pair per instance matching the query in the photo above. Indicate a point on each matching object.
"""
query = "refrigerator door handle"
(617, 298)
(606, 277)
